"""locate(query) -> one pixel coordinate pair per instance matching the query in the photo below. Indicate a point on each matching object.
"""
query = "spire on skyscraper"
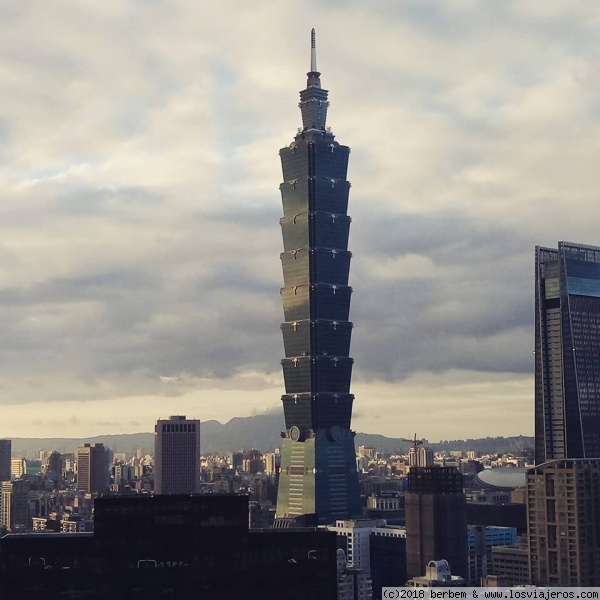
(313, 75)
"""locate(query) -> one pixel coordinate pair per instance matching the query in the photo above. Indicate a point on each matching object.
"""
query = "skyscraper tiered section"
(318, 466)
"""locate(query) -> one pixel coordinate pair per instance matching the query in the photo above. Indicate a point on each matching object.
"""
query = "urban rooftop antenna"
(313, 51)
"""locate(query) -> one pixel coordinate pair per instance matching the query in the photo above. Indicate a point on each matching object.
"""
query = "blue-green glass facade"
(318, 469)
(567, 370)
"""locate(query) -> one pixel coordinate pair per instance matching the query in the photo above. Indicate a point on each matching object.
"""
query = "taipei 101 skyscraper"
(318, 465)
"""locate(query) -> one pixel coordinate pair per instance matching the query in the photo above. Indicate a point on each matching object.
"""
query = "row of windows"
(179, 428)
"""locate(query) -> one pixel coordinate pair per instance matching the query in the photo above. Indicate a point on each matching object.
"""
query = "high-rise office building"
(54, 463)
(563, 518)
(92, 468)
(567, 352)
(17, 467)
(318, 467)
(420, 457)
(177, 456)
(272, 462)
(436, 520)
(372, 547)
(5, 450)
(510, 564)
(14, 511)
(353, 539)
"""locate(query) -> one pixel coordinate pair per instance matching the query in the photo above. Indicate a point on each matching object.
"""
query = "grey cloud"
(139, 220)
(474, 312)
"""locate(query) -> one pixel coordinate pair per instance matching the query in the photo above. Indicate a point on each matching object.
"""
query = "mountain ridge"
(259, 431)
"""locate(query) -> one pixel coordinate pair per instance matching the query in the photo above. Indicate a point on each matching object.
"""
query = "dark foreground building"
(176, 546)
(318, 467)
(567, 352)
(436, 520)
(387, 561)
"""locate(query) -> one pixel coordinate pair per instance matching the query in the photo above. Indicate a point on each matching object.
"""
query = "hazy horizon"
(224, 423)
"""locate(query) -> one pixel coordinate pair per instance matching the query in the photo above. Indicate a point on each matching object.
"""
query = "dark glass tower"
(567, 352)
(318, 464)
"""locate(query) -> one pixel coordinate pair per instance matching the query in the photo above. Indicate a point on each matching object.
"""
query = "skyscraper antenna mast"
(313, 51)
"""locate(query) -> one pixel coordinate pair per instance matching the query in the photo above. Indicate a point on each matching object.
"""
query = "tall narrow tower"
(318, 465)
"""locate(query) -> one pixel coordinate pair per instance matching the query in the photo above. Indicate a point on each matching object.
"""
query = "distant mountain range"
(261, 432)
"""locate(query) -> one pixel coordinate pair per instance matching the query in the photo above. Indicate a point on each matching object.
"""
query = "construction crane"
(414, 441)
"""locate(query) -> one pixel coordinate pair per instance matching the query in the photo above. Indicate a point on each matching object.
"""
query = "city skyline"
(139, 258)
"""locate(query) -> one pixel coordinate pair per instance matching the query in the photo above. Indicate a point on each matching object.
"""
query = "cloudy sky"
(139, 174)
